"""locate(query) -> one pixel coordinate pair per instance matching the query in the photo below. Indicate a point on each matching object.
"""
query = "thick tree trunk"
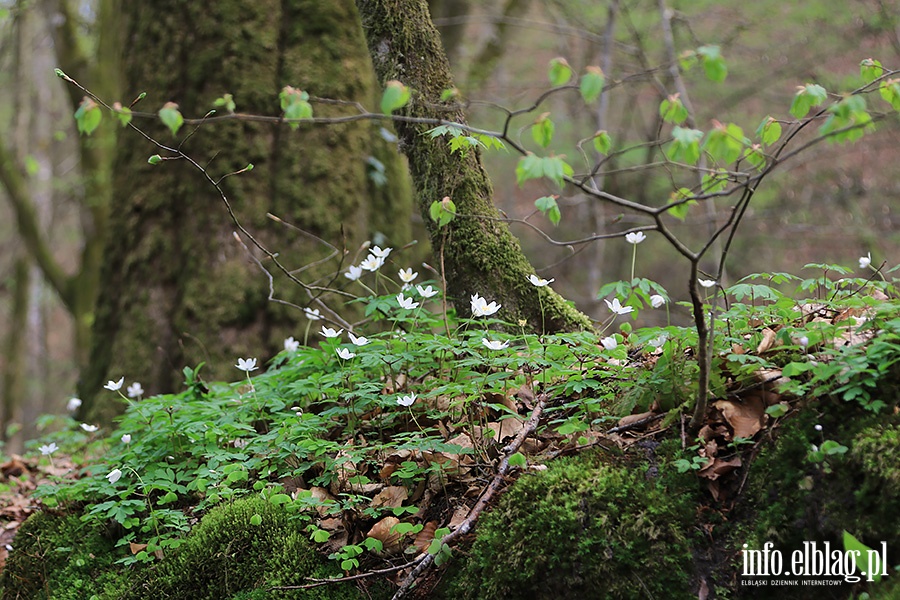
(480, 254)
(176, 289)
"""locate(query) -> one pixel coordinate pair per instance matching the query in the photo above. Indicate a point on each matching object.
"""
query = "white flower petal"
(494, 344)
(312, 314)
(114, 475)
(114, 386)
(345, 353)
(246, 364)
(291, 345)
(426, 292)
(406, 400)
(609, 343)
(635, 237)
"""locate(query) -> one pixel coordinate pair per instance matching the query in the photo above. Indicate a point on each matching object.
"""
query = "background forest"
(834, 204)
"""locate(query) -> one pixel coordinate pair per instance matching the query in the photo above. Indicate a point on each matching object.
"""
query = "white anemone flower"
(331, 333)
(616, 307)
(481, 308)
(406, 400)
(135, 390)
(406, 303)
(609, 343)
(494, 344)
(89, 428)
(114, 386)
(312, 314)
(407, 275)
(291, 345)
(48, 449)
(353, 273)
(707, 283)
(114, 475)
(73, 404)
(427, 291)
(538, 281)
(358, 341)
(656, 301)
(246, 364)
(635, 237)
(865, 261)
(345, 354)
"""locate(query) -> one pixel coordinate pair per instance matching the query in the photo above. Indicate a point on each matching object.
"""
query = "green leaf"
(855, 548)
(88, 116)
(449, 94)
(725, 143)
(592, 83)
(279, 499)
(777, 410)
(442, 212)
(123, 114)
(769, 131)
(672, 110)
(155, 160)
(713, 63)
(529, 166)
(685, 146)
(227, 101)
(754, 155)
(680, 211)
(602, 142)
(542, 130)
(792, 369)
(556, 169)
(170, 117)
(870, 69)
(890, 92)
(548, 206)
(395, 96)
(560, 72)
(714, 182)
(256, 520)
(320, 535)
(807, 96)
(518, 460)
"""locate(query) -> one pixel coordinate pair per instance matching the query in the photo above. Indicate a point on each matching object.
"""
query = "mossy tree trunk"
(177, 289)
(480, 254)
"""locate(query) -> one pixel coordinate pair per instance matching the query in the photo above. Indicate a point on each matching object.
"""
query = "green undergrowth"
(331, 422)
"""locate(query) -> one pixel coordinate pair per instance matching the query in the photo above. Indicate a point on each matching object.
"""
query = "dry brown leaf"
(768, 340)
(392, 496)
(135, 548)
(625, 421)
(459, 515)
(424, 537)
(718, 467)
(507, 428)
(746, 418)
(321, 494)
(381, 531)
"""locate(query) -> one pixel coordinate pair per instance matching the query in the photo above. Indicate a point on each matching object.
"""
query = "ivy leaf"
(560, 72)
(592, 83)
(88, 116)
(548, 206)
(602, 142)
(395, 96)
(542, 130)
(713, 63)
(170, 117)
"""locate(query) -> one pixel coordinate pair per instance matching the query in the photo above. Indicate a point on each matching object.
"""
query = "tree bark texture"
(176, 288)
(480, 254)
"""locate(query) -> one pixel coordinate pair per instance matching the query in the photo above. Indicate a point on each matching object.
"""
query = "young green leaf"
(685, 146)
(170, 117)
(714, 182)
(556, 169)
(122, 113)
(602, 142)
(890, 92)
(88, 116)
(256, 520)
(548, 206)
(680, 211)
(518, 460)
(754, 155)
(713, 63)
(807, 96)
(155, 159)
(529, 166)
(442, 212)
(769, 131)
(870, 70)
(227, 101)
(542, 130)
(395, 96)
(560, 72)
(672, 110)
(592, 83)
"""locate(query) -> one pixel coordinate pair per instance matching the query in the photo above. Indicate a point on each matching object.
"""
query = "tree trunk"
(177, 289)
(480, 254)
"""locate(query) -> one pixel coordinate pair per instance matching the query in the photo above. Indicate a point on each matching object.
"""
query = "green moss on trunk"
(480, 254)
